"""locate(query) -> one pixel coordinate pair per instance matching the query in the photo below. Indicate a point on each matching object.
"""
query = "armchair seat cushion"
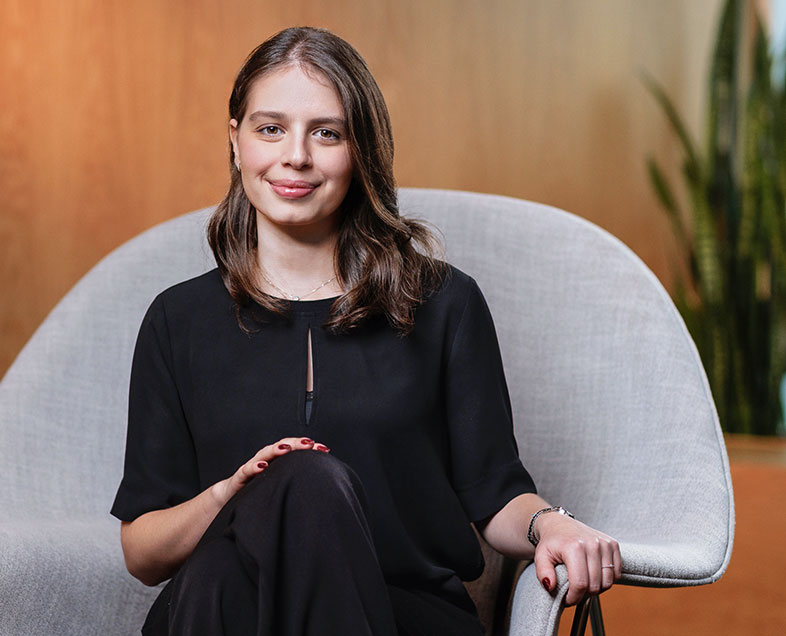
(71, 572)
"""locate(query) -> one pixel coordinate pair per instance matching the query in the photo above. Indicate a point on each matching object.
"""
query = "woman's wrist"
(536, 521)
(219, 495)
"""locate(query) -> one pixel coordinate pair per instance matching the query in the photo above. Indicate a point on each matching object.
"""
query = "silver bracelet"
(531, 532)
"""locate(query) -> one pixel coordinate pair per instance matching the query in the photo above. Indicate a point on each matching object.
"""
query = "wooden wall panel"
(113, 114)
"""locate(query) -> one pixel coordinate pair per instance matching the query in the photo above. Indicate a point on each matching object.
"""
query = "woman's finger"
(286, 445)
(607, 564)
(241, 477)
(544, 569)
(264, 456)
(252, 468)
(615, 546)
(594, 555)
(299, 443)
(575, 560)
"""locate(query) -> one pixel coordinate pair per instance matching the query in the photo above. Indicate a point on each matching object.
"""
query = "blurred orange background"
(114, 113)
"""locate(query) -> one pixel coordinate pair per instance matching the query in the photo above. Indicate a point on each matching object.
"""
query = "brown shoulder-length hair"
(386, 264)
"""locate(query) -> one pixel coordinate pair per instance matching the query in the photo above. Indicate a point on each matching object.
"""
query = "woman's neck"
(297, 262)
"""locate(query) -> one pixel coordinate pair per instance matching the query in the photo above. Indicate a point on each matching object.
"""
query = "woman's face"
(292, 149)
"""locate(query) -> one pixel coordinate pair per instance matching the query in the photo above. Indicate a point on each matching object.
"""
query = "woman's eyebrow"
(329, 121)
(265, 114)
(274, 114)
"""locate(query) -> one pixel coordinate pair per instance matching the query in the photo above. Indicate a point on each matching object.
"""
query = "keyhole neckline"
(307, 305)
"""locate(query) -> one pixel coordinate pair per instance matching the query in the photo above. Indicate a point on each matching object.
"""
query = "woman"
(314, 424)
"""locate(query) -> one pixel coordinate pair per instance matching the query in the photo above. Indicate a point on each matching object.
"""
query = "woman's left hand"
(592, 558)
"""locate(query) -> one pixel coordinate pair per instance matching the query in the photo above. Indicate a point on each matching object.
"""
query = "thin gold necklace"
(291, 296)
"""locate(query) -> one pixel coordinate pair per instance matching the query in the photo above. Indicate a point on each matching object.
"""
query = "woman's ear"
(233, 125)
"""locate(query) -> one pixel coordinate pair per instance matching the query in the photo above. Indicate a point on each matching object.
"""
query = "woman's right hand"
(157, 543)
(225, 489)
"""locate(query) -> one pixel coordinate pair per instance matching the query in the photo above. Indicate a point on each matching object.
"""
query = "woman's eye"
(270, 130)
(324, 133)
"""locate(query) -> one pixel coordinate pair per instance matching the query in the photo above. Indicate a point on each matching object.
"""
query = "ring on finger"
(611, 565)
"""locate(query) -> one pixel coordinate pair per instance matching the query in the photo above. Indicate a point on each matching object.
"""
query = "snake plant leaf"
(723, 131)
(664, 193)
(751, 178)
(722, 116)
(667, 106)
(662, 187)
(707, 252)
(733, 232)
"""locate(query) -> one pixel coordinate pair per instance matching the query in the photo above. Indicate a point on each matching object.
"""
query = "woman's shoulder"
(208, 283)
(457, 292)
(456, 287)
(192, 295)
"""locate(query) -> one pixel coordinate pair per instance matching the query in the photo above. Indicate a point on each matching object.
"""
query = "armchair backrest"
(605, 381)
(613, 412)
(64, 400)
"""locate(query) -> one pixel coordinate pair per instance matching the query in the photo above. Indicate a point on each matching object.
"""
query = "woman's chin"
(299, 224)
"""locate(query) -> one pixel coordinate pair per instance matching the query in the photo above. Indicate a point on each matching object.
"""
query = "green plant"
(731, 292)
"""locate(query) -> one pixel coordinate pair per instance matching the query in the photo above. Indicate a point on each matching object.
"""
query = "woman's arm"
(583, 550)
(157, 543)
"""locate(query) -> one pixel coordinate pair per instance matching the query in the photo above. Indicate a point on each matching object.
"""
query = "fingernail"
(261, 465)
(305, 440)
(323, 448)
(546, 584)
(284, 447)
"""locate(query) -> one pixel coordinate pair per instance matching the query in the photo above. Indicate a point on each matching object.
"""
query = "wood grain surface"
(113, 113)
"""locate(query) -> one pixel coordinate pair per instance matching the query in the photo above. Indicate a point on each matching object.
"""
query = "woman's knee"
(298, 487)
(313, 469)
(315, 477)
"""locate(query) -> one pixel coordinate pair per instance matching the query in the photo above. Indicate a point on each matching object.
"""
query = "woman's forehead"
(294, 86)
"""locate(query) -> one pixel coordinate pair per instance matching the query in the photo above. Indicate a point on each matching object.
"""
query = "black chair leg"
(589, 608)
(596, 617)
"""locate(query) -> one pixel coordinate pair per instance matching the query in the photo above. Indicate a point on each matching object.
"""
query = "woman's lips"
(292, 189)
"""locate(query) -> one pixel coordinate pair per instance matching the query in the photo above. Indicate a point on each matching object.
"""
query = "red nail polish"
(284, 447)
(546, 584)
(261, 465)
(306, 440)
(323, 448)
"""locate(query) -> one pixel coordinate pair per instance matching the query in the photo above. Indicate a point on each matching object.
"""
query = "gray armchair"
(613, 414)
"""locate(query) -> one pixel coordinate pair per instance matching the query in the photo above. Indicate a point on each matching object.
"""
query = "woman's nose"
(296, 152)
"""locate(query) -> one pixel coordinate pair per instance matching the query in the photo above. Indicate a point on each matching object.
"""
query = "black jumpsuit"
(419, 428)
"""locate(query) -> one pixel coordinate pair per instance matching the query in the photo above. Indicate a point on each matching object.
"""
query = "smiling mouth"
(292, 189)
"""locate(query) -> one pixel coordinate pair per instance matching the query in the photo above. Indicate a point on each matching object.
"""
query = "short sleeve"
(160, 468)
(486, 470)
